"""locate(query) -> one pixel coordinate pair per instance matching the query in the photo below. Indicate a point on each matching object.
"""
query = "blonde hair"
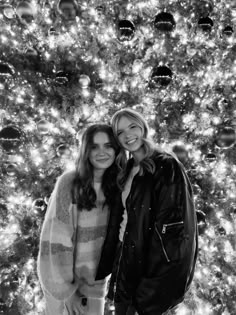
(148, 145)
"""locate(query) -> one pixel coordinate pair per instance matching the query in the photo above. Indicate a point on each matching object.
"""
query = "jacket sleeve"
(172, 251)
(56, 251)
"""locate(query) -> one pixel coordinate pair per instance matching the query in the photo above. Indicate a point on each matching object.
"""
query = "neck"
(97, 176)
(138, 156)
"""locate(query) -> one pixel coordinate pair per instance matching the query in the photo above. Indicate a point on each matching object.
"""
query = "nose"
(127, 134)
(102, 151)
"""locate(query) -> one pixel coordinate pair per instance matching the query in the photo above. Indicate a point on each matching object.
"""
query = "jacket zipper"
(162, 245)
(170, 224)
(118, 268)
(121, 251)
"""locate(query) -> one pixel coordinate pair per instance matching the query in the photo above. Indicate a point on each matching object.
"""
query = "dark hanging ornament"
(201, 216)
(161, 76)
(98, 83)
(31, 52)
(39, 206)
(228, 31)
(221, 230)
(52, 31)
(63, 149)
(126, 30)
(10, 138)
(204, 7)
(32, 58)
(25, 12)
(225, 137)
(61, 78)
(11, 169)
(101, 10)
(210, 157)
(68, 9)
(205, 24)
(164, 22)
(6, 71)
(43, 127)
(181, 152)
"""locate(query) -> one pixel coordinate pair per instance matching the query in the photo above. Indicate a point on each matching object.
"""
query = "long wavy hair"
(83, 192)
(147, 163)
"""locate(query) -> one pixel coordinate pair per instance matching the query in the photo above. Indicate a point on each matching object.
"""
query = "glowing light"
(204, 309)
(3, 38)
(47, 55)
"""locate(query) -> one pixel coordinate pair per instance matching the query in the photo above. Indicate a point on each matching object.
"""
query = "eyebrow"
(132, 123)
(109, 142)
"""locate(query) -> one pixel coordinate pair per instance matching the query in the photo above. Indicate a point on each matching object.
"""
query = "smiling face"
(129, 134)
(102, 153)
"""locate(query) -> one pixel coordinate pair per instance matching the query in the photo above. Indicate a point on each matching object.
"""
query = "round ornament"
(11, 169)
(161, 76)
(31, 52)
(6, 71)
(181, 152)
(84, 81)
(204, 7)
(68, 9)
(61, 78)
(126, 30)
(26, 12)
(221, 230)
(43, 127)
(101, 10)
(98, 83)
(9, 12)
(10, 138)
(205, 24)
(63, 149)
(228, 31)
(210, 157)
(225, 137)
(39, 206)
(52, 31)
(164, 22)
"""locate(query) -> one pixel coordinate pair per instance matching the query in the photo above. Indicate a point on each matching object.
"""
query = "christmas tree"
(67, 64)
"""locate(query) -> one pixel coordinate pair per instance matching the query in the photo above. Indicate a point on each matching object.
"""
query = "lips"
(131, 141)
(102, 160)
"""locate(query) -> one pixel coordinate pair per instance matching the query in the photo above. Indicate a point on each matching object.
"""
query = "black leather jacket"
(156, 261)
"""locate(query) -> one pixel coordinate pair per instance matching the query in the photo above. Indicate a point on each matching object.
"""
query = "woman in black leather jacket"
(158, 235)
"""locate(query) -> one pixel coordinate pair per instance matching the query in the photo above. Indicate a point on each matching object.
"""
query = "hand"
(73, 305)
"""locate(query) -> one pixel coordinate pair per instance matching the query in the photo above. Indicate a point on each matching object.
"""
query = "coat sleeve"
(172, 251)
(56, 251)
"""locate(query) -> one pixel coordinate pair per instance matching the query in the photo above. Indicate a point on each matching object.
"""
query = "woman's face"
(129, 134)
(102, 154)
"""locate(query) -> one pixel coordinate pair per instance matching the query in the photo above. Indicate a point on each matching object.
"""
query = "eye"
(119, 133)
(109, 145)
(93, 146)
(133, 126)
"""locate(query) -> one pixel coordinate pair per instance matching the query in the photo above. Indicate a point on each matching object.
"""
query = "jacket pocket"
(172, 240)
(168, 226)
